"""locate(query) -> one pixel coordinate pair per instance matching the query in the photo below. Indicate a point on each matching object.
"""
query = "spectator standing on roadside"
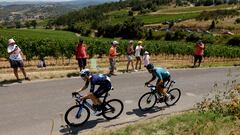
(81, 54)
(199, 52)
(138, 56)
(15, 59)
(146, 58)
(112, 57)
(130, 54)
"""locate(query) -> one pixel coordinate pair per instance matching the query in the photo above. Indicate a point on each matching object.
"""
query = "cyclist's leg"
(160, 87)
(101, 90)
(166, 81)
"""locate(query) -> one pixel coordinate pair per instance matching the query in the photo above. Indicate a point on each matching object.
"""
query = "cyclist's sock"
(99, 107)
(95, 107)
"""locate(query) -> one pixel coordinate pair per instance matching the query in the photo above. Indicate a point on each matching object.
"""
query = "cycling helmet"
(85, 72)
(150, 66)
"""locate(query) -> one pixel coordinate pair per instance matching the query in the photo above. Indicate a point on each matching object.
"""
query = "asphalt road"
(37, 107)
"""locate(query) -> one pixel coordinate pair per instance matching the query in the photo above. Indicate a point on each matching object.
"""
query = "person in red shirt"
(81, 54)
(112, 55)
(199, 52)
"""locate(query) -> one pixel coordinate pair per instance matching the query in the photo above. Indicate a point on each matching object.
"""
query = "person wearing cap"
(15, 59)
(112, 56)
(130, 54)
(146, 58)
(138, 56)
(198, 53)
(81, 54)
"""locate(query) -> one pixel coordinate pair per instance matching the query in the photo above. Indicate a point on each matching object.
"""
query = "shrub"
(208, 39)
(217, 14)
(179, 35)
(235, 41)
(223, 102)
(130, 13)
(169, 36)
(193, 37)
(158, 35)
(237, 20)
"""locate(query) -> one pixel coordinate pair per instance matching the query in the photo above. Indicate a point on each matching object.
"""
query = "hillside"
(22, 11)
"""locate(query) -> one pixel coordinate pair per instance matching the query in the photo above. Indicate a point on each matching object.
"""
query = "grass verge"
(190, 123)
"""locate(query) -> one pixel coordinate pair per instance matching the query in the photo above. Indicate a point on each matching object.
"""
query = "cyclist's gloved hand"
(146, 83)
(74, 94)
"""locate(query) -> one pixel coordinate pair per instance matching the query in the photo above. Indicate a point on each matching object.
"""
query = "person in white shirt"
(16, 59)
(146, 58)
(138, 56)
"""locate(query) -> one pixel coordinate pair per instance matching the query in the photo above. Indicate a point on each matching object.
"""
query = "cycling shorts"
(102, 89)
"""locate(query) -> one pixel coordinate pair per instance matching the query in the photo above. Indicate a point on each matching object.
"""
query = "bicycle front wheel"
(147, 101)
(113, 108)
(77, 115)
(175, 94)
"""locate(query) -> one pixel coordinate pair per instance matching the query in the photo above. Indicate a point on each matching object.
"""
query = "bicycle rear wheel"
(113, 108)
(175, 94)
(147, 101)
(77, 115)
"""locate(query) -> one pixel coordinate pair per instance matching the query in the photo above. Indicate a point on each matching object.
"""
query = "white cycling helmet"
(85, 72)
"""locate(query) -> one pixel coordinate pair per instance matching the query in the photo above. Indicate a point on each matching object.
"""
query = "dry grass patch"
(61, 70)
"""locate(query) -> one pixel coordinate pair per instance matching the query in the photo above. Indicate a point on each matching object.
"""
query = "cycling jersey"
(103, 81)
(161, 73)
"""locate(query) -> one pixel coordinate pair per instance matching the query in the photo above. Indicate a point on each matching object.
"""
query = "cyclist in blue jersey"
(163, 76)
(102, 80)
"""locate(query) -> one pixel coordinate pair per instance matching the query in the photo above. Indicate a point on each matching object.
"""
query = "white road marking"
(128, 101)
(191, 94)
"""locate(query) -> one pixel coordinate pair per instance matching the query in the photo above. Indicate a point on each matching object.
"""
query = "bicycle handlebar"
(76, 95)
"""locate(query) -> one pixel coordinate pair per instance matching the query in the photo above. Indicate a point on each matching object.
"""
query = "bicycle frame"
(168, 85)
(84, 102)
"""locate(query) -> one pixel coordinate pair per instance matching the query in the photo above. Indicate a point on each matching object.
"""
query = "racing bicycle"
(149, 99)
(79, 114)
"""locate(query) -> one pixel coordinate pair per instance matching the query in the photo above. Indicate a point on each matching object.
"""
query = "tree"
(132, 28)
(213, 25)
(18, 24)
(34, 24)
(130, 13)
(27, 24)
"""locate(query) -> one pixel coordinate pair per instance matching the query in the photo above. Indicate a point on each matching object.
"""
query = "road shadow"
(67, 130)
(4, 82)
(141, 113)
